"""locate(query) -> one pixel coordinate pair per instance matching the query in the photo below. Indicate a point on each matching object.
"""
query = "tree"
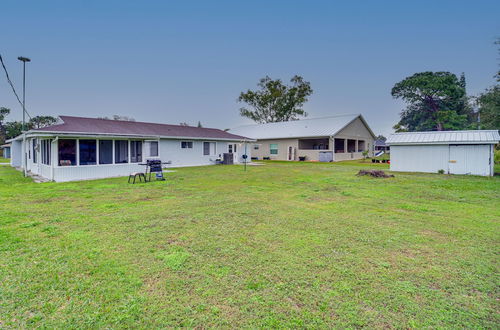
(3, 113)
(13, 129)
(183, 124)
(276, 102)
(41, 121)
(381, 138)
(199, 124)
(489, 108)
(436, 101)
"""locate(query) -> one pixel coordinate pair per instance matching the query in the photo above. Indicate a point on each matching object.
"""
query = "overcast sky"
(184, 61)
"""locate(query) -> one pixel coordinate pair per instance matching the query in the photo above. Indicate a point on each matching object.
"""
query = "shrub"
(441, 171)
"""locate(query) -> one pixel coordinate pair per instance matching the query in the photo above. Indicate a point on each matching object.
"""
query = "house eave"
(113, 135)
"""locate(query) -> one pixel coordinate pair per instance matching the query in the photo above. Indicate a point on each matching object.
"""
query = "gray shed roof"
(445, 137)
(314, 127)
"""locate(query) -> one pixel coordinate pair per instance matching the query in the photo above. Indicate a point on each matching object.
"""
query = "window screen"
(187, 145)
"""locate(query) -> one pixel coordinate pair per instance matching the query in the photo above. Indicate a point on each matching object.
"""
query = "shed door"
(469, 159)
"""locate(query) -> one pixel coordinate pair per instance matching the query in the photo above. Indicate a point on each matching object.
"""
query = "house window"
(153, 148)
(209, 148)
(273, 148)
(231, 148)
(255, 147)
(187, 145)
(121, 151)
(135, 151)
(88, 152)
(46, 151)
(67, 152)
(34, 150)
(105, 152)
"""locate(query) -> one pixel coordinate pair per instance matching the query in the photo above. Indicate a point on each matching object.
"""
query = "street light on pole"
(24, 60)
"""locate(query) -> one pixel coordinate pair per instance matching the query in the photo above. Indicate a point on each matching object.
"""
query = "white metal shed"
(454, 152)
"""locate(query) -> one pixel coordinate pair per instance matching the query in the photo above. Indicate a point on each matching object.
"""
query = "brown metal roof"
(83, 125)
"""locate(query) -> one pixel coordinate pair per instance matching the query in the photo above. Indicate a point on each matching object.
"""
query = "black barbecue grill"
(155, 166)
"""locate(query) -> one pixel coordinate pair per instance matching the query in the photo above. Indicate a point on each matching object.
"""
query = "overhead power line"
(12, 86)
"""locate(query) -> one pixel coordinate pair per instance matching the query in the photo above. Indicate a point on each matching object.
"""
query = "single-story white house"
(5, 150)
(333, 138)
(454, 152)
(78, 148)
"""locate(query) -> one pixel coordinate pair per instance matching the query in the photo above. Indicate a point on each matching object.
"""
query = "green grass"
(281, 245)
(4, 160)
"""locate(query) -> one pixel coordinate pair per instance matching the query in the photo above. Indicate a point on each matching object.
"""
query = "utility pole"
(24, 60)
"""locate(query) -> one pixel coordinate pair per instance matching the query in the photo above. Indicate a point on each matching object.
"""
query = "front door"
(232, 149)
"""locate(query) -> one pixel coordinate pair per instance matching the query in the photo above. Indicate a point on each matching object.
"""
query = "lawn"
(281, 245)
(4, 160)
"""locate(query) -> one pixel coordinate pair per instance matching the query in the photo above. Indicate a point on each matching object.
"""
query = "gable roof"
(314, 127)
(444, 137)
(82, 125)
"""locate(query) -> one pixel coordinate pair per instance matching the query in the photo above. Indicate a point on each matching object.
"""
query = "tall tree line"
(437, 101)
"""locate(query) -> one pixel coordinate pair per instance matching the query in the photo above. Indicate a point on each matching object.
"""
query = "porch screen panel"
(67, 152)
(46, 151)
(88, 152)
(105, 151)
(121, 151)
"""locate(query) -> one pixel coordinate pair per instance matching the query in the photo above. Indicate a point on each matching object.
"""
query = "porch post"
(77, 152)
(97, 151)
(113, 151)
(332, 141)
(345, 145)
